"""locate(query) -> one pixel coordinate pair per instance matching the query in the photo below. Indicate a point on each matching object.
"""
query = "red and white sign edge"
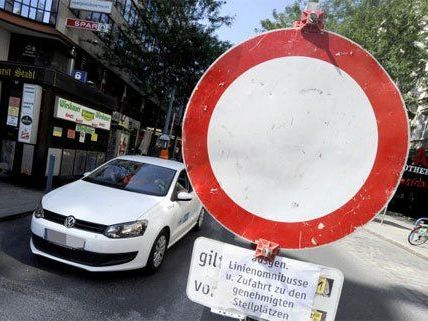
(282, 47)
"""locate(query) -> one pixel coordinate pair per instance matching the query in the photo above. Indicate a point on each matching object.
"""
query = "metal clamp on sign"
(266, 249)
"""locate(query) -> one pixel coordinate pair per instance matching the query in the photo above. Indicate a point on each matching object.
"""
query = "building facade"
(57, 94)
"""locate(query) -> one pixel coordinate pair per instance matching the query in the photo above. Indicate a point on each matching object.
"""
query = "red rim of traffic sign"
(392, 125)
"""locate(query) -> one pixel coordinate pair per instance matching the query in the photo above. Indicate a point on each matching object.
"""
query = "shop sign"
(71, 111)
(30, 110)
(91, 5)
(416, 171)
(85, 129)
(25, 73)
(13, 111)
(86, 25)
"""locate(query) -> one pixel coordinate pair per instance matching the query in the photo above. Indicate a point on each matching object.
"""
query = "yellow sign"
(27, 74)
(324, 286)
(13, 111)
(87, 115)
(18, 73)
(57, 131)
(318, 315)
(94, 137)
(5, 71)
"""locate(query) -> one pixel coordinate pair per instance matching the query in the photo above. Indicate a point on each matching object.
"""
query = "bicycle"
(419, 234)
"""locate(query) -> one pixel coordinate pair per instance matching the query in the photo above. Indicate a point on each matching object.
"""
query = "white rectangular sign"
(228, 278)
(91, 5)
(68, 110)
(30, 111)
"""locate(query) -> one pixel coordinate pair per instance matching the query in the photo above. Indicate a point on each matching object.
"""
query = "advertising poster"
(71, 134)
(13, 111)
(57, 131)
(82, 137)
(122, 143)
(30, 110)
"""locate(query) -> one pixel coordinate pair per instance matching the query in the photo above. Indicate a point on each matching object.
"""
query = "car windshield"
(134, 176)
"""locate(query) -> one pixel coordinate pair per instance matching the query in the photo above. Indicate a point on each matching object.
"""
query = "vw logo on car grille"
(69, 221)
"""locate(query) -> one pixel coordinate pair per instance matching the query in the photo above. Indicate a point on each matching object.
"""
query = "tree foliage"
(170, 45)
(394, 31)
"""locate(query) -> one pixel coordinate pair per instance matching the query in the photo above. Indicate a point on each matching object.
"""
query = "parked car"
(121, 216)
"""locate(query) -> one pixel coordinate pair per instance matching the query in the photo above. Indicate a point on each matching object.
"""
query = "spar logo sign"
(86, 25)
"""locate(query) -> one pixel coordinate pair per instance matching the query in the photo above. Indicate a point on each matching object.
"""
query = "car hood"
(98, 204)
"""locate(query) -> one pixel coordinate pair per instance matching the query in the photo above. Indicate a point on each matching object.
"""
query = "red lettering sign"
(82, 24)
(420, 158)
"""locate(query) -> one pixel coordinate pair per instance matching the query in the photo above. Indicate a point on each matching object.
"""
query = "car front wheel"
(157, 252)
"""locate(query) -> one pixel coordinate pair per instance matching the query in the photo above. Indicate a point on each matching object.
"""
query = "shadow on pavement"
(392, 224)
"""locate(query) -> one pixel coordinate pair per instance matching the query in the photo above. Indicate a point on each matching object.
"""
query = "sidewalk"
(16, 200)
(395, 229)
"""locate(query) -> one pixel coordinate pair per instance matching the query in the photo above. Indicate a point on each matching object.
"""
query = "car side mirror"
(184, 196)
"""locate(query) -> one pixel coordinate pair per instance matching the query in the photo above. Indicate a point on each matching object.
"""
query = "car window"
(134, 176)
(183, 183)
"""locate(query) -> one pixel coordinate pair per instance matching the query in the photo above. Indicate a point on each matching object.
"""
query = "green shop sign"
(85, 129)
(71, 111)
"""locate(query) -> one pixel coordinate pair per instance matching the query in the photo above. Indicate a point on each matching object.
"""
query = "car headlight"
(130, 229)
(39, 212)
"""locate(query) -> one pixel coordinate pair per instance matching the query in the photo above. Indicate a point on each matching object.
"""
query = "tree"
(169, 46)
(394, 31)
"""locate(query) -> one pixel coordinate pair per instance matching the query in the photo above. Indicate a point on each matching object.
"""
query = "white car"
(121, 216)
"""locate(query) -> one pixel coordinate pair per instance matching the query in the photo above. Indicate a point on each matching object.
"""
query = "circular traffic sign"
(297, 138)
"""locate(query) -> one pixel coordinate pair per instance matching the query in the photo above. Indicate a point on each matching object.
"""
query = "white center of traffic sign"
(288, 145)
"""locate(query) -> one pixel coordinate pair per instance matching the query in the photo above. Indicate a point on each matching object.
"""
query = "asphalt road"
(382, 282)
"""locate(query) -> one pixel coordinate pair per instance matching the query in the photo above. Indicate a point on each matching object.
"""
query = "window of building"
(44, 11)
(128, 10)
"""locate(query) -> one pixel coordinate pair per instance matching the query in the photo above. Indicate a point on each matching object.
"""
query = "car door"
(184, 210)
